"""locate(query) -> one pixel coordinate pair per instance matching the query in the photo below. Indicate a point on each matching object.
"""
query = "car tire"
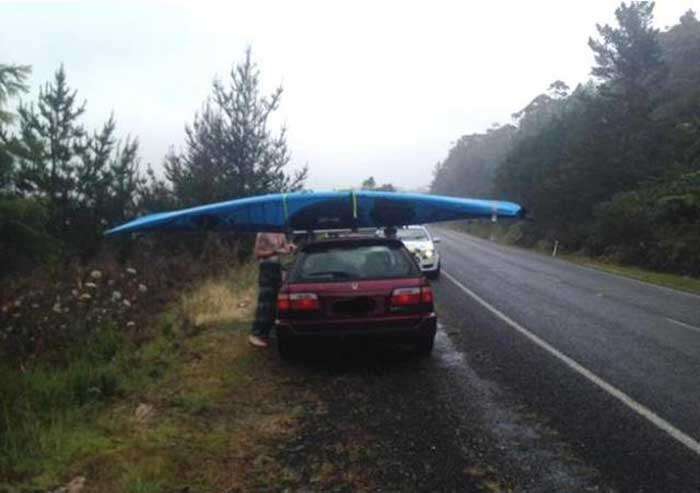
(424, 344)
(434, 275)
(288, 348)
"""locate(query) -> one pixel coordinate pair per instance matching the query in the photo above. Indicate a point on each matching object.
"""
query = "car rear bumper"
(389, 328)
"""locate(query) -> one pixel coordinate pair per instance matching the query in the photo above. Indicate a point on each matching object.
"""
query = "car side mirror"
(436, 239)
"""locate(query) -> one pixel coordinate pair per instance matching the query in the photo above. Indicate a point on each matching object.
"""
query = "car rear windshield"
(412, 234)
(354, 262)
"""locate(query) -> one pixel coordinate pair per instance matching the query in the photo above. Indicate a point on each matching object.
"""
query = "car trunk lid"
(353, 299)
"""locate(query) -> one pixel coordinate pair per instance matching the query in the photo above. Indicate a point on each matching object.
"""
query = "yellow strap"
(284, 205)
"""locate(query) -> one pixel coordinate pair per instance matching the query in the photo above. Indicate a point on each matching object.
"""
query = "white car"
(422, 245)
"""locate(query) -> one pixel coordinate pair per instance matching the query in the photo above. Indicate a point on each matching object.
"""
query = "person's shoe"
(256, 341)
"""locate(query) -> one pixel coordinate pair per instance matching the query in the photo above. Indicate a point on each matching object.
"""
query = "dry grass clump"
(223, 300)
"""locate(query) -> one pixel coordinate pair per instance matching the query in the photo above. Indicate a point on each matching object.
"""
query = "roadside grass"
(226, 299)
(192, 409)
(508, 236)
(58, 412)
(49, 411)
(682, 283)
(43, 413)
(218, 418)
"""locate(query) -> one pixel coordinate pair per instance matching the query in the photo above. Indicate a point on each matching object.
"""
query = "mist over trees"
(371, 184)
(62, 184)
(611, 167)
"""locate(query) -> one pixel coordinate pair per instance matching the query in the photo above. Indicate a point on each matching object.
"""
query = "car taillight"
(405, 296)
(411, 296)
(298, 302)
(283, 304)
(426, 294)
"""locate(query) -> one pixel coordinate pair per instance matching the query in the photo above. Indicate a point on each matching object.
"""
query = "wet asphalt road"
(641, 339)
(410, 424)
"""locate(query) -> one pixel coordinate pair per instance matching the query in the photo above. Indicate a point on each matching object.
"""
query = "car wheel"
(288, 348)
(435, 274)
(424, 344)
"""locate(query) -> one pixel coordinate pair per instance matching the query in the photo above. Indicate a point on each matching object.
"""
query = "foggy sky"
(370, 88)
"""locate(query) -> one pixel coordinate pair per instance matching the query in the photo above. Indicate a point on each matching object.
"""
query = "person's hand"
(287, 249)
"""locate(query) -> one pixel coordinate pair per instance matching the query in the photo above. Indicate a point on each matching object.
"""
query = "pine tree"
(12, 83)
(52, 140)
(87, 181)
(230, 150)
(628, 57)
(13, 80)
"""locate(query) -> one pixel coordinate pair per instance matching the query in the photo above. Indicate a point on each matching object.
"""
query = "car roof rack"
(334, 231)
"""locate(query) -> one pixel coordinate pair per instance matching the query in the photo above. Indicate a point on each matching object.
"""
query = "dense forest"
(612, 167)
(62, 184)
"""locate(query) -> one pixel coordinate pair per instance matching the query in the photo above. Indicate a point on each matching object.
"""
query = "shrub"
(656, 226)
(23, 236)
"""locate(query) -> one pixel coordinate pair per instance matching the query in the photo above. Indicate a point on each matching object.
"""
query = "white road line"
(683, 324)
(640, 409)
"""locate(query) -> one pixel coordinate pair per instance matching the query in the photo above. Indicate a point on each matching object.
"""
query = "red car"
(355, 286)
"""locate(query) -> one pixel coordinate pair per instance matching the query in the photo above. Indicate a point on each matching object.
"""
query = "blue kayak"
(320, 210)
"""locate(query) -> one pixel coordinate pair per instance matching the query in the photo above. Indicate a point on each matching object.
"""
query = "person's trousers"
(269, 281)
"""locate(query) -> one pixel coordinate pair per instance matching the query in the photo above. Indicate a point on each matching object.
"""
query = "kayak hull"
(320, 210)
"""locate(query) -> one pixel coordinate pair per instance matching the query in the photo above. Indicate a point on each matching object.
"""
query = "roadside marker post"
(556, 247)
(494, 221)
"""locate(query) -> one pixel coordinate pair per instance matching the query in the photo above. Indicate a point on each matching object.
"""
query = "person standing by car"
(268, 248)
